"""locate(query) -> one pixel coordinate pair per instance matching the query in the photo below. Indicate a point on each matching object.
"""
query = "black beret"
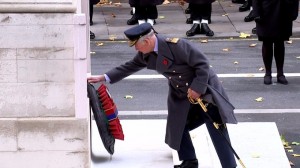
(136, 32)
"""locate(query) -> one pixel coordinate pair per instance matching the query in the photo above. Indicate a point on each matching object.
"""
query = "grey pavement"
(110, 21)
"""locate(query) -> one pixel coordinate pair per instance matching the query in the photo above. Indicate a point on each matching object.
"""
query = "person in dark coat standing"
(189, 75)
(200, 14)
(145, 10)
(274, 23)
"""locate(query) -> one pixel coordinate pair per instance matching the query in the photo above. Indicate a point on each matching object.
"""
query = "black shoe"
(238, 1)
(244, 7)
(194, 30)
(133, 20)
(267, 79)
(91, 22)
(250, 17)
(254, 30)
(188, 164)
(189, 21)
(92, 35)
(281, 79)
(206, 30)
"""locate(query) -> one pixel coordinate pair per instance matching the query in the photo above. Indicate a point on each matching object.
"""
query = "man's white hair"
(150, 34)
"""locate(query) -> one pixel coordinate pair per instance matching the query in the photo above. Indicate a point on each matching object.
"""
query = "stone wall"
(43, 105)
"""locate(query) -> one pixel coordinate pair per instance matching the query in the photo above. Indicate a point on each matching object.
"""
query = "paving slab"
(110, 21)
(258, 144)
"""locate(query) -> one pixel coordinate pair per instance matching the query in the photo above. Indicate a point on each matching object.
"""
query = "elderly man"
(189, 77)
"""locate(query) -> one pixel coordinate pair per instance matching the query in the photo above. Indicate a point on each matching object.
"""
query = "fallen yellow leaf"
(128, 97)
(290, 150)
(244, 35)
(287, 147)
(296, 155)
(231, 38)
(226, 49)
(112, 37)
(295, 143)
(253, 45)
(225, 14)
(235, 62)
(298, 57)
(166, 2)
(261, 69)
(99, 44)
(289, 42)
(259, 99)
(161, 17)
(204, 41)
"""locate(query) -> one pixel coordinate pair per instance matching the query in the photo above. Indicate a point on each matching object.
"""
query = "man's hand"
(193, 94)
(95, 79)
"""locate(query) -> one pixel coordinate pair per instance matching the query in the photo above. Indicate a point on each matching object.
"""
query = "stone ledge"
(6, 7)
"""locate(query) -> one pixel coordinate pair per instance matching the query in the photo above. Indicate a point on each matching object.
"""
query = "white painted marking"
(242, 75)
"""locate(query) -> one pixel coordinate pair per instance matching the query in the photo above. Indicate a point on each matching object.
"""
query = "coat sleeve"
(194, 58)
(118, 73)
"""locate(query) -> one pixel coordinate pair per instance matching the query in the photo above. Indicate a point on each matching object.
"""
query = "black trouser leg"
(267, 54)
(186, 151)
(279, 53)
(146, 12)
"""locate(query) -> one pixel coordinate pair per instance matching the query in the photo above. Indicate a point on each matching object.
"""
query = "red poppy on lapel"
(165, 62)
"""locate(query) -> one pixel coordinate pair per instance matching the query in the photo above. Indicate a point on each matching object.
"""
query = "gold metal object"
(216, 125)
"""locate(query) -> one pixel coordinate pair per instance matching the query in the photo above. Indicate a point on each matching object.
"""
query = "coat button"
(177, 86)
(174, 71)
(187, 84)
(179, 76)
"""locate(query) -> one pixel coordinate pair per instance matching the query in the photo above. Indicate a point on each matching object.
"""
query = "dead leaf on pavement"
(181, 2)
(244, 35)
(99, 44)
(250, 75)
(118, 4)
(296, 155)
(289, 42)
(292, 164)
(226, 49)
(128, 97)
(235, 62)
(204, 41)
(295, 143)
(92, 52)
(259, 99)
(298, 57)
(253, 45)
(161, 17)
(226, 14)
(261, 69)
(112, 37)
(166, 2)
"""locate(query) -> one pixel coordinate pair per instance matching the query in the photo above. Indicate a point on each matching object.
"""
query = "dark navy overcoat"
(185, 66)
